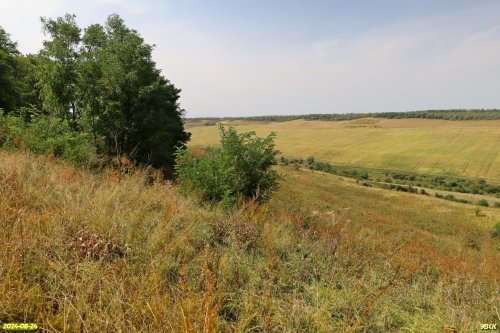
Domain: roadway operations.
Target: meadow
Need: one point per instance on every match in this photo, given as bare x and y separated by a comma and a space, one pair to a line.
125, 251
460, 148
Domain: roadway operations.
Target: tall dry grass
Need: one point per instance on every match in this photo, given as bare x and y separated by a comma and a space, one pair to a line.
123, 251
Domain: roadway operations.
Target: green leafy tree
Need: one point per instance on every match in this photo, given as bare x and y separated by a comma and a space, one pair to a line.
59, 74
105, 83
102, 83
90, 81
18, 80
129, 107
8, 68
28, 89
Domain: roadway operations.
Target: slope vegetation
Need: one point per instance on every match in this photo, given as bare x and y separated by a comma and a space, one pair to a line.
123, 251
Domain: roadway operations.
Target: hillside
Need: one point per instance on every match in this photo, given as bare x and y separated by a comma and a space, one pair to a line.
463, 148
114, 252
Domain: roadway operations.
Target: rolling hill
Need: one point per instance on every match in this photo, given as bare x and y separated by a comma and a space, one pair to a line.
463, 148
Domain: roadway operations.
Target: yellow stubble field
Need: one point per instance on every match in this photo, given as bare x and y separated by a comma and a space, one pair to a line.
465, 148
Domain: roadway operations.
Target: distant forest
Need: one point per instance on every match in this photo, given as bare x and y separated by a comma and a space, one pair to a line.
457, 114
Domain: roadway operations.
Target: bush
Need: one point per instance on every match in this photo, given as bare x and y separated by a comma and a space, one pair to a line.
495, 232
284, 160
239, 167
12, 130
483, 203
450, 197
44, 135
477, 211
51, 135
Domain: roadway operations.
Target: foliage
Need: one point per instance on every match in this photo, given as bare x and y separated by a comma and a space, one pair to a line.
212, 175
477, 211
495, 232
12, 131
108, 253
8, 52
17, 81
103, 84
58, 70
46, 135
129, 108
240, 166
405, 178
49, 134
483, 203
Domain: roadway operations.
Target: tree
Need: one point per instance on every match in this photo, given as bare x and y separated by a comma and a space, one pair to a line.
8, 68
125, 98
90, 83
18, 80
105, 82
59, 67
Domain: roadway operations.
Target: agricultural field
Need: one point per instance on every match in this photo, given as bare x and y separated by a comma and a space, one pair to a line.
428, 146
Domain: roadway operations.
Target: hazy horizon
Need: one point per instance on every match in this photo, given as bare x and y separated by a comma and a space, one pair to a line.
339, 113
291, 57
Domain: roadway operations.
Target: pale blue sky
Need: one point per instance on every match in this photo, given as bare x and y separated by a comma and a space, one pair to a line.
242, 58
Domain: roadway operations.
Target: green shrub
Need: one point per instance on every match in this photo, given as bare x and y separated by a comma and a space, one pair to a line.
497, 205
12, 130
239, 167
284, 160
51, 135
483, 203
477, 211
44, 135
495, 232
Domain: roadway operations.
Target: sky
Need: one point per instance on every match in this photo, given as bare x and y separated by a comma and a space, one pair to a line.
277, 57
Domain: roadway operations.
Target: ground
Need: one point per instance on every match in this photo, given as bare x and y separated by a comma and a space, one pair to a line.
111, 252
464, 148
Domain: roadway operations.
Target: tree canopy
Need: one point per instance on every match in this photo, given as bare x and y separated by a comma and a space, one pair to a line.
103, 82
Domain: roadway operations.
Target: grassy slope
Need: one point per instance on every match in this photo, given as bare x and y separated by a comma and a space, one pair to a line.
467, 148
404, 261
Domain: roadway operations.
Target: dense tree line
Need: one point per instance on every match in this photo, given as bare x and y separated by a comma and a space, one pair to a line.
101, 82
472, 114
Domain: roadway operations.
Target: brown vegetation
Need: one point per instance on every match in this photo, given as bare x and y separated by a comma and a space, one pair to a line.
124, 251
